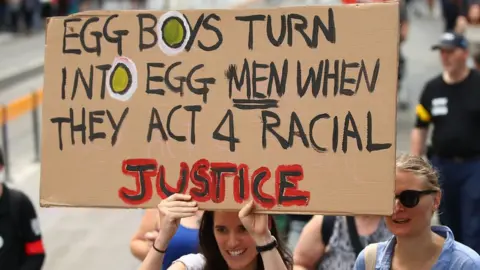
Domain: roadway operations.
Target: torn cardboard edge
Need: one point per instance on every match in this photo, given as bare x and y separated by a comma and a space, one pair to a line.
46, 204
103, 13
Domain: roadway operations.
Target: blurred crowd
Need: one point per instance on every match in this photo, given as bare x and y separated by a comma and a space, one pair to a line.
440, 175
23, 16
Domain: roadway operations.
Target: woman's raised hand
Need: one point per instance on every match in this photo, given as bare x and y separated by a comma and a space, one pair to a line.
256, 224
171, 210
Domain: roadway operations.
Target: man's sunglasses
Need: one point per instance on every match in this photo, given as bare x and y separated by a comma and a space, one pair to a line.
410, 198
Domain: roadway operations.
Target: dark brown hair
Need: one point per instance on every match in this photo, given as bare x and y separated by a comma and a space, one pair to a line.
214, 259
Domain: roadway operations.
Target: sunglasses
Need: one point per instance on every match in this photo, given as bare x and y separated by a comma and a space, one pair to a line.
411, 198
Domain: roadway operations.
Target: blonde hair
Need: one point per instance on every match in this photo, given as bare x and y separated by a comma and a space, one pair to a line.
420, 168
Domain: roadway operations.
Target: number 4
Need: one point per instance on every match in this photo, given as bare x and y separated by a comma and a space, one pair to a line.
231, 131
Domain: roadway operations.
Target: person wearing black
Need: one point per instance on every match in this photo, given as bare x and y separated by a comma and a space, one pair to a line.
451, 103
21, 246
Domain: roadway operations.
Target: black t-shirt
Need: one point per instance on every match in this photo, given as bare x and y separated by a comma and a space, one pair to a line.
20, 238
454, 111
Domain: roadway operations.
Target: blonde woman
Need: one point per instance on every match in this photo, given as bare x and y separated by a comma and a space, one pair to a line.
416, 244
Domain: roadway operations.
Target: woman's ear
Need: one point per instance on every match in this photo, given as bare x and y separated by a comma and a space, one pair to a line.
437, 200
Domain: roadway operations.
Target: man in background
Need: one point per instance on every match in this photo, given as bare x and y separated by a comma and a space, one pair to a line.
450, 103
21, 246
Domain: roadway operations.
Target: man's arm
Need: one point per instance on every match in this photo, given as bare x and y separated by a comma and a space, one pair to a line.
418, 141
32, 236
423, 119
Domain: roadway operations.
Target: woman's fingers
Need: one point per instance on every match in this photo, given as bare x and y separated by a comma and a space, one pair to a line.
178, 197
183, 210
177, 200
151, 236
179, 215
180, 204
246, 210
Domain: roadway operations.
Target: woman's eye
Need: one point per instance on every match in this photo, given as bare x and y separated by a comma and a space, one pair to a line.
221, 230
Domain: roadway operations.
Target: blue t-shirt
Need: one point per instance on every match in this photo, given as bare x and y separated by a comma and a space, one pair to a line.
185, 241
454, 255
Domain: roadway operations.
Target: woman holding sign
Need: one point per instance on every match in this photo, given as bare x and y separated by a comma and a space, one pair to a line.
228, 240
416, 244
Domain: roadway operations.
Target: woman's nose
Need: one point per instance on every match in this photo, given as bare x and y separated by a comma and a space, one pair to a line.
397, 207
232, 240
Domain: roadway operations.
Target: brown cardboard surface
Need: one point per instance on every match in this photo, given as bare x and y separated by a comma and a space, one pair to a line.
348, 176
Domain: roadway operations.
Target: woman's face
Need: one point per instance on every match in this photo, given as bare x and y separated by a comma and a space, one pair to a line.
235, 243
405, 221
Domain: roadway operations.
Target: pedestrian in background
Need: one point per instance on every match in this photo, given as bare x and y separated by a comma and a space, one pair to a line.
334, 242
21, 245
30, 8
451, 103
23, 11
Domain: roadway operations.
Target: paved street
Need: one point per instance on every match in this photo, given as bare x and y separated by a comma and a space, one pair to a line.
98, 238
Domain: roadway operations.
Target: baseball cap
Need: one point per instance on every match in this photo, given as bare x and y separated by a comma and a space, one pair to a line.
450, 40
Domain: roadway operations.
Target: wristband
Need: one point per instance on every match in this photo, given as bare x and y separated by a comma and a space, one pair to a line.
158, 250
268, 246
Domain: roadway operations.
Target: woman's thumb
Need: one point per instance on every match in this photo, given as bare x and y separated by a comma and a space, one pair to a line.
151, 235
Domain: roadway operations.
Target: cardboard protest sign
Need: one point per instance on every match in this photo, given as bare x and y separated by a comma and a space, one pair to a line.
291, 107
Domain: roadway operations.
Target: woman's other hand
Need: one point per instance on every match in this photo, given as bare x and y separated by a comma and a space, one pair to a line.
171, 210
256, 224
140, 245
151, 236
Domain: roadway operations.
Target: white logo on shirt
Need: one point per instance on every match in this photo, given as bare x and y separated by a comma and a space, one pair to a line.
1, 242
448, 36
35, 224
439, 106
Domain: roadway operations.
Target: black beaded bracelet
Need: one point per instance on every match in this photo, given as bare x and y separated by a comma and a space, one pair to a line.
158, 250
268, 246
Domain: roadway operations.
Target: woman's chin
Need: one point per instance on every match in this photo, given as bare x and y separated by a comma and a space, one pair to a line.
400, 229
237, 265
240, 261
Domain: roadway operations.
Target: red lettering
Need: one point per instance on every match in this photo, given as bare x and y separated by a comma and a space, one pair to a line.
202, 181
209, 183
164, 190
259, 177
286, 189
218, 172
241, 187
142, 170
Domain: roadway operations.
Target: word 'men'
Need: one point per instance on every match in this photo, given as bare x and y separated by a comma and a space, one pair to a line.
208, 180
